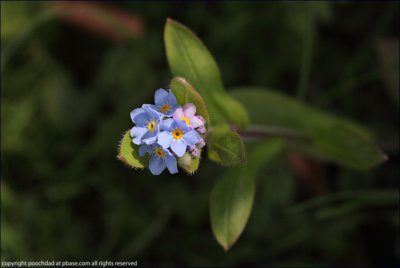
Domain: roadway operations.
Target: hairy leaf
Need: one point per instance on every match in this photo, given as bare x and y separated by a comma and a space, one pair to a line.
128, 153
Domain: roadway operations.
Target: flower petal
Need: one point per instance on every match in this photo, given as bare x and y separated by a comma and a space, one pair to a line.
154, 108
178, 147
167, 124
143, 149
137, 133
195, 122
153, 114
191, 137
150, 140
171, 98
189, 110
150, 134
160, 97
156, 165
139, 116
164, 139
170, 161
171, 111
182, 125
178, 114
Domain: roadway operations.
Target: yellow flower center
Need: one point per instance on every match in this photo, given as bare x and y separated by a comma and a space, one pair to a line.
187, 121
159, 152
165, 108
177, 134
151, 126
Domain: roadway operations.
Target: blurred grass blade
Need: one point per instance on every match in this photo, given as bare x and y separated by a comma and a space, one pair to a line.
225, 146
388, 55
338, 211
185, 93
303, 19
232, 198
360, 202
189, 58
129, 153
327, 137
103, 19
366, 197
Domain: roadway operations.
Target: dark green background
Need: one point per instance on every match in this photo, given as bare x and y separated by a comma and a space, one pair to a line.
66, 94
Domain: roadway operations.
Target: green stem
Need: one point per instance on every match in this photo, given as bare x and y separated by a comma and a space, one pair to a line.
255, 133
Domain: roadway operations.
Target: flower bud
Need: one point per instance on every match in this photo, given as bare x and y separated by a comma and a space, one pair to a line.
193, 151
201, 143
201, 118
188, 163
201, 129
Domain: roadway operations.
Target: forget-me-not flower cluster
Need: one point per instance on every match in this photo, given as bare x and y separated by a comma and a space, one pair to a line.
165, 131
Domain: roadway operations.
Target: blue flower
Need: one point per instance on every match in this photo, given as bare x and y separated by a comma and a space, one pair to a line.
160, 159
165, 102
177, 135
147, 125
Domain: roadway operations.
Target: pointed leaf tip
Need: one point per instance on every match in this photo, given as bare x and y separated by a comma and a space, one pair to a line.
332, 138
232, 198
188, 57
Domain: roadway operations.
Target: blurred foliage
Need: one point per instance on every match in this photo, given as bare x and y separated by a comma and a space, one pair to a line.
311, 130
66, 94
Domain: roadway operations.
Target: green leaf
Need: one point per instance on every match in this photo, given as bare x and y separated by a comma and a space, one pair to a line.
128, 153
189, 58
185, 93
310, 130
188, 163
232, 198
225, 146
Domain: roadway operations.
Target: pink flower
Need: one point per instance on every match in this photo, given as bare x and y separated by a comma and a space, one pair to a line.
187, 114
